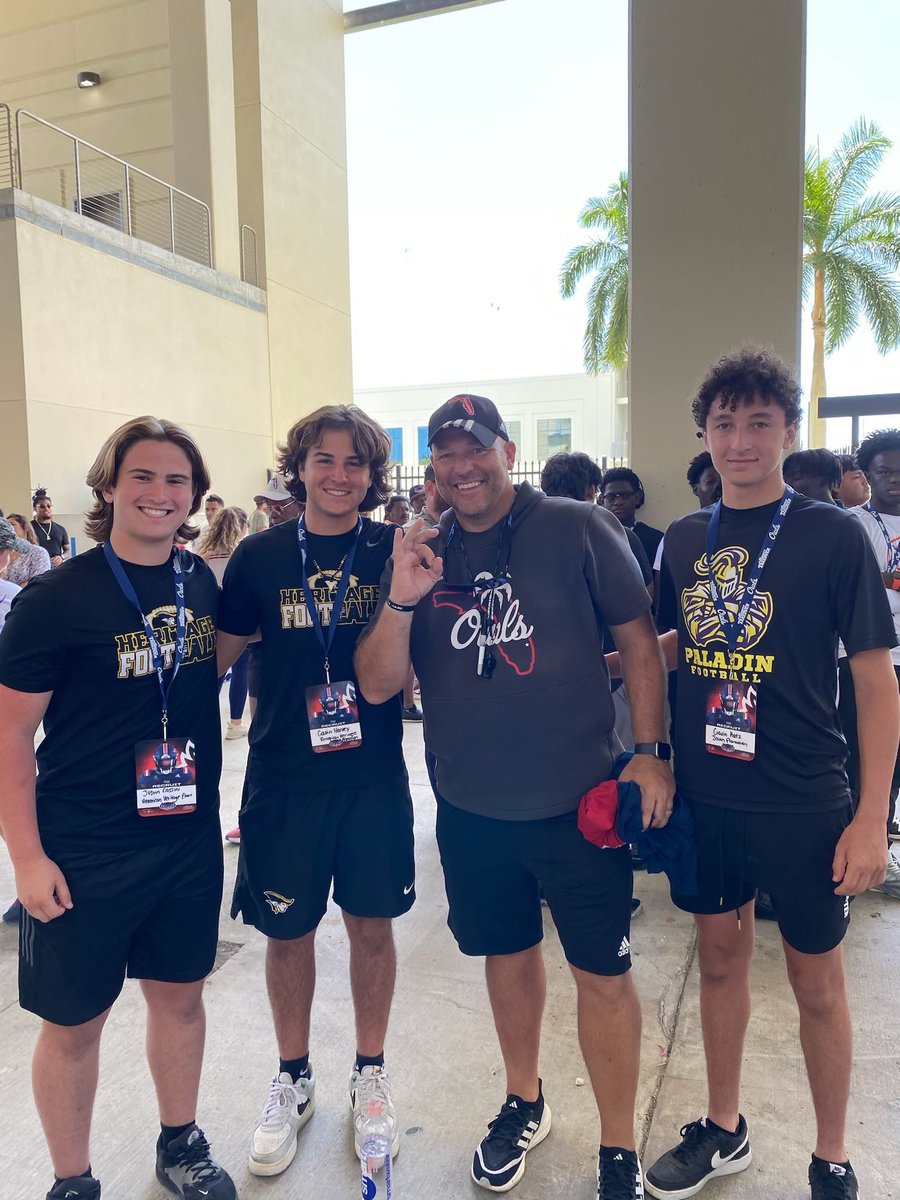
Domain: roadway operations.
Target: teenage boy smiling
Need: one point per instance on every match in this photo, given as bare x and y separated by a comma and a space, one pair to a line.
310, 820
772, 573
107, 892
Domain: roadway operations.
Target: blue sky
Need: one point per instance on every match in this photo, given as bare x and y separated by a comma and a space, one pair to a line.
474, 139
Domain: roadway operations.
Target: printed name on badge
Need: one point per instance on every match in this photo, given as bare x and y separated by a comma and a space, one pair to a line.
731, 720
333, 715
165, 777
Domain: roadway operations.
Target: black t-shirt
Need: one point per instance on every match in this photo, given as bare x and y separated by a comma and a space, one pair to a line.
52, 537
819, 583
649, 539
263, 590
72, 632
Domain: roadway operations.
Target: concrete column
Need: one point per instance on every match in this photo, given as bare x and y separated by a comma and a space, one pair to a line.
292, 168
203, 117
717, 92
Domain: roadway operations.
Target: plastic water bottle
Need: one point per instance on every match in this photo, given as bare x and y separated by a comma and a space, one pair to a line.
375, 1140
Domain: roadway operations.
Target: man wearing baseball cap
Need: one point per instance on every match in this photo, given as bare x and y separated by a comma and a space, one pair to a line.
501, 611
417, 498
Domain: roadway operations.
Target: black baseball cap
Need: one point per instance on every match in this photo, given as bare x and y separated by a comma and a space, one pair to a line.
472, 414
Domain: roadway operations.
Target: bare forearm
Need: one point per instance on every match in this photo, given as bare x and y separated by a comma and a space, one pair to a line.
668, 644
645, 684
382, 656
878, 730
18, 816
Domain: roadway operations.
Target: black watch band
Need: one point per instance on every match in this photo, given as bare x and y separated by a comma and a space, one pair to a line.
660, 750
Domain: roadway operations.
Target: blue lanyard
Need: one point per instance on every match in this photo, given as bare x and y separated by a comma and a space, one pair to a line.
339, 595
893, 548
733, 628
130, 595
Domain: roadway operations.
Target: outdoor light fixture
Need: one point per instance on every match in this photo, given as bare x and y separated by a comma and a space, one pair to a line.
88, 79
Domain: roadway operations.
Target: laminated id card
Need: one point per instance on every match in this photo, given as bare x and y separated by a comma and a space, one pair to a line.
731, 720
165, 777
333, 715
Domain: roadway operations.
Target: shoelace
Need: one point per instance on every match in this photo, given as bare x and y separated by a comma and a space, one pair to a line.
691, 1135
195, 1159
280, 1099
376, 1086
618, 1180
509, 1123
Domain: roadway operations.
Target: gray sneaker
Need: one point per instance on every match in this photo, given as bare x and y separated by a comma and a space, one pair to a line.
287, 1108
891, 885
186, 1167
372, 1083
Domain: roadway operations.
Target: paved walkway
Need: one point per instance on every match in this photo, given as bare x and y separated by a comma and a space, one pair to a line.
446, 1066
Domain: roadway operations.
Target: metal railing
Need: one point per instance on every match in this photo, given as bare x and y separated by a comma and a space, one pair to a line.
7, 155
249, 263
66, 170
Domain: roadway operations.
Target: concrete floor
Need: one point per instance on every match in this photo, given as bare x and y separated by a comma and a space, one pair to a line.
445, 1064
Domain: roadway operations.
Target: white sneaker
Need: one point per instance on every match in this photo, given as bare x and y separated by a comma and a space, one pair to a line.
287, 1108
891, 885
233, 732
372, 1083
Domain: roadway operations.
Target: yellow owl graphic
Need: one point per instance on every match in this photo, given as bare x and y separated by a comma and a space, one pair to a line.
696, 602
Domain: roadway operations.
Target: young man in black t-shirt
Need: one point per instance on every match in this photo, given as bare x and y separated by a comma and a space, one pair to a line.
119, 873
622, 494
760, 588
326, 798
49, 533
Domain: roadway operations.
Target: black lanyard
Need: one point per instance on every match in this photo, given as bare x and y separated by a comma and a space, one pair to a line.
339, 595
180, 624
732, 628
893, 547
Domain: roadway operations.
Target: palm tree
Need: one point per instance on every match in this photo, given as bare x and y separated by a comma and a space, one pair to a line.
852, 249
606, 333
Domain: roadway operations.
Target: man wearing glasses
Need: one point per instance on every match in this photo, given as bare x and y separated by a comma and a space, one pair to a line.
503, 609
622, 494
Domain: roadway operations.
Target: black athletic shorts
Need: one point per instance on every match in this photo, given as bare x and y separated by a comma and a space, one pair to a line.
295, 843
494, 872
148, 914
788, 855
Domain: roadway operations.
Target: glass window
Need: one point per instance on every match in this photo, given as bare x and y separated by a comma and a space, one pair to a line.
422, 437
554, 435
514, 429
396, 436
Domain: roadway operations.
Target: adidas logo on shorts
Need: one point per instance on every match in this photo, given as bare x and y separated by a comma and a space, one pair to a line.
625, 948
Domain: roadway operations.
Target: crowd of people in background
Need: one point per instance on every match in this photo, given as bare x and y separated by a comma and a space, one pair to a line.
479, 605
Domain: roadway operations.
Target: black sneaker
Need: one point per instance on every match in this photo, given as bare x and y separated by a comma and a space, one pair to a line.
77, 1187
413, 713
187, 1168
705, 1152
832, 1181
619, 1175
499, 1161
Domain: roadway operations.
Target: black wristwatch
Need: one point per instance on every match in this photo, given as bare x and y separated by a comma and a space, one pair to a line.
658, 749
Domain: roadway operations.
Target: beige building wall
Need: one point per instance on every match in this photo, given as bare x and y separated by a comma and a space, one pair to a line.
717, 144
107, 335
44, 43
292, 176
